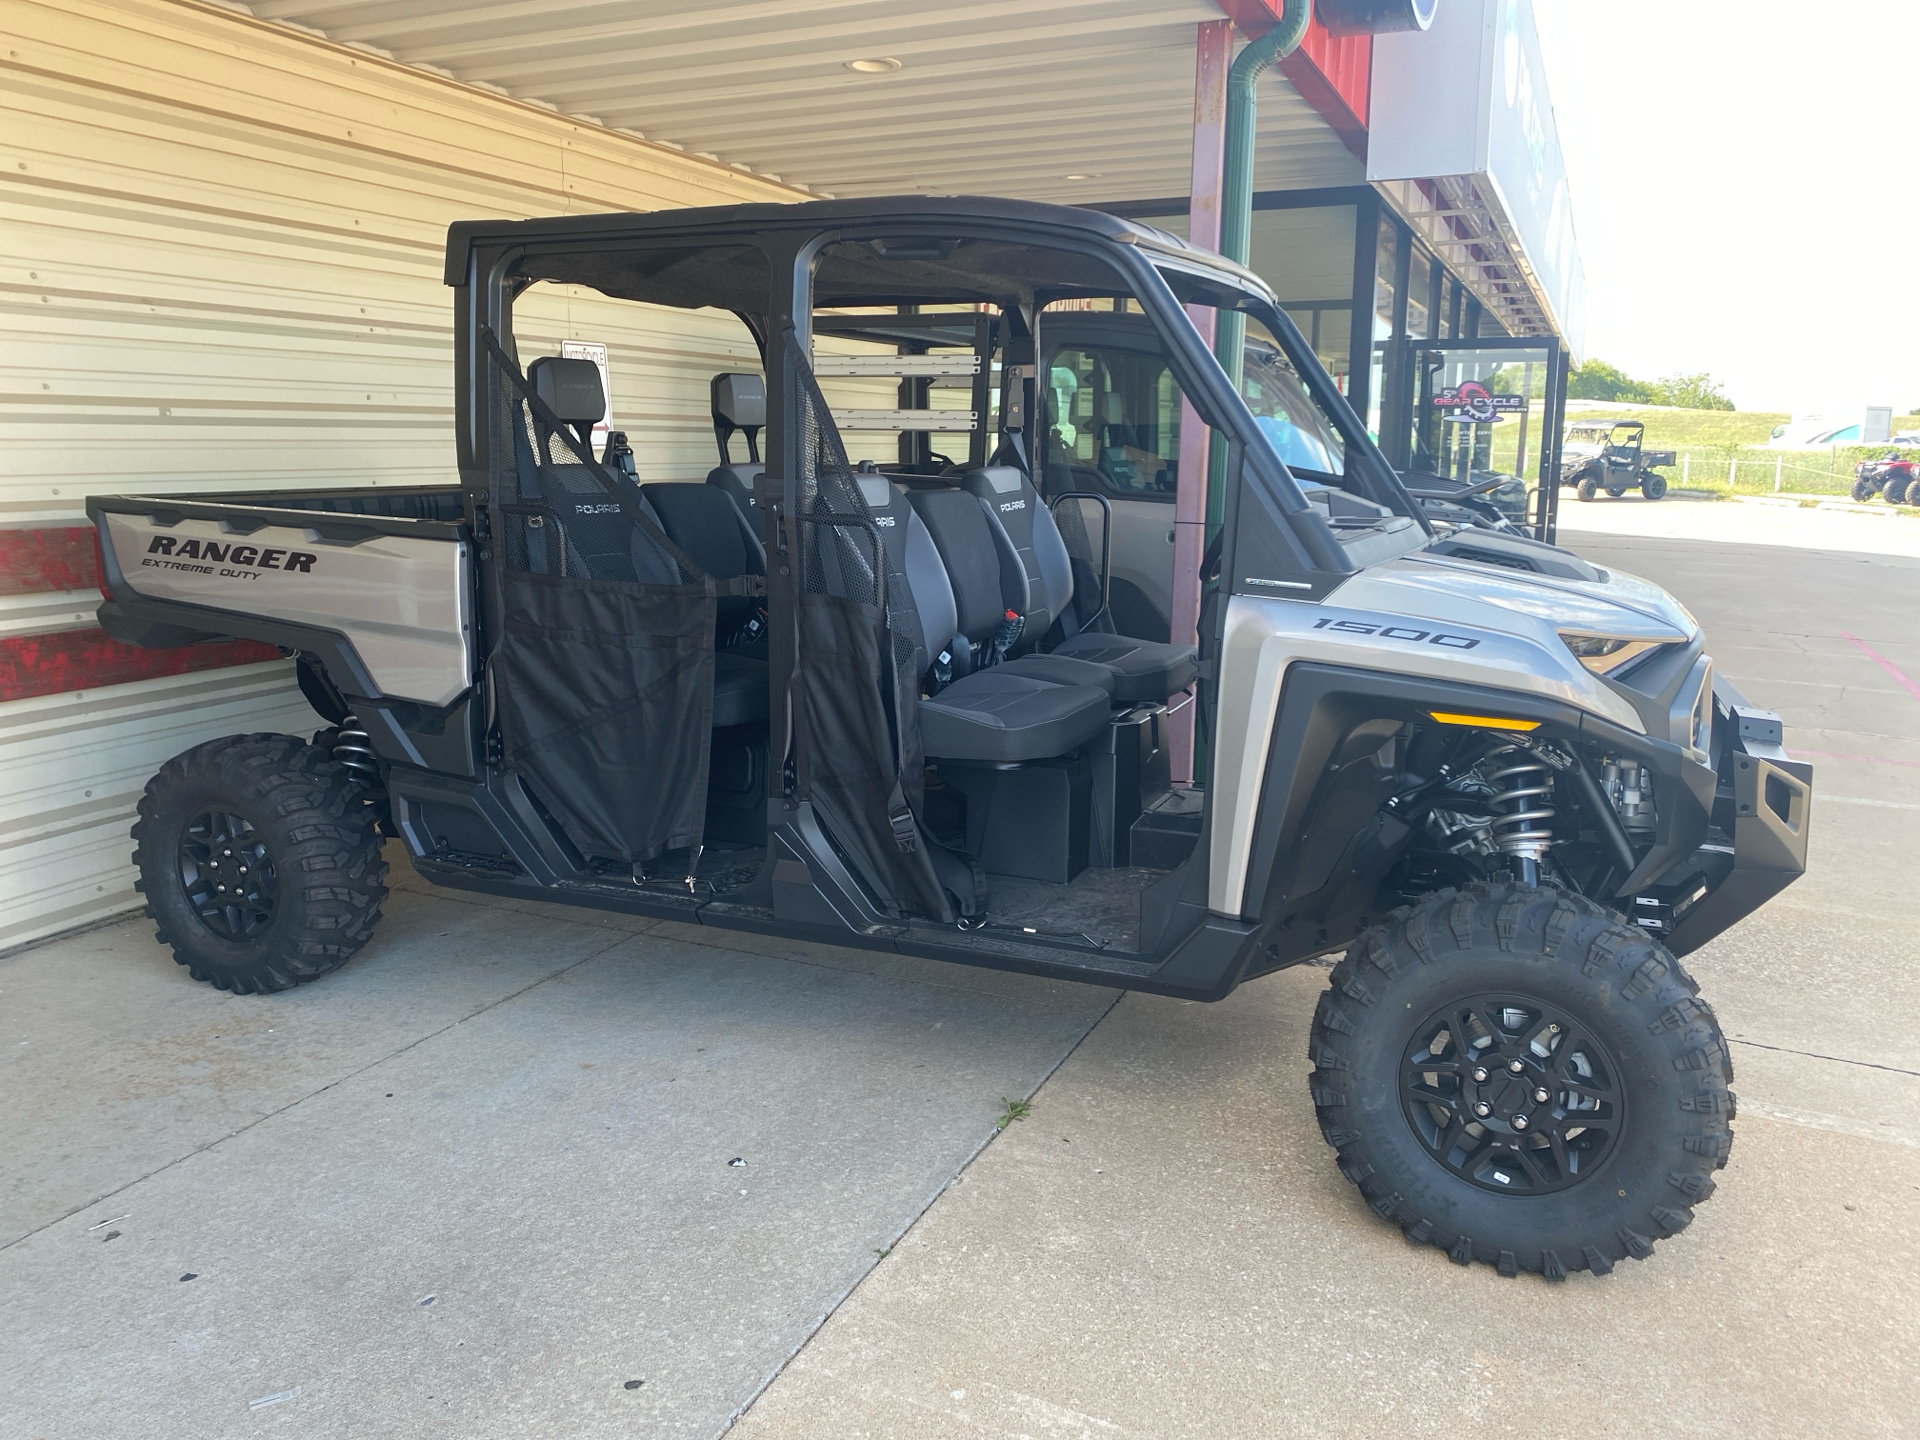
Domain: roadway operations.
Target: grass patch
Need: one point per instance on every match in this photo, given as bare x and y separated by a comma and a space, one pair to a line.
1677, 429
1016, 1110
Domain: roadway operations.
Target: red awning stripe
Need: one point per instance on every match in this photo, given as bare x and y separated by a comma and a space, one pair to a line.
89, 658
55, 557
1333, 73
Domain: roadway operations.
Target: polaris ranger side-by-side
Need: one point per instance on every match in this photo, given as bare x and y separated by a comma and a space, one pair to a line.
886, 704
1600, 455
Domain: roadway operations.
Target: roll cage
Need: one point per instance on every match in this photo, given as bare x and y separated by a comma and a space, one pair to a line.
1029, 255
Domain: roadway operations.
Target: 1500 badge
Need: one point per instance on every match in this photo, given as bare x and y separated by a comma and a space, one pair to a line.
1398, 632
206, 557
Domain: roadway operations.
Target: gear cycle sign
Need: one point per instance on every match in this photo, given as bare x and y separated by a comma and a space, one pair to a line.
1471, 403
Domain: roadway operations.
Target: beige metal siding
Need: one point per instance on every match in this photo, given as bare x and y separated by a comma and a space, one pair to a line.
222, 270
71, 770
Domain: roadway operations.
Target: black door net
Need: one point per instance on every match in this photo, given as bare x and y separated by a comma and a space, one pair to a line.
856, 695
602, 673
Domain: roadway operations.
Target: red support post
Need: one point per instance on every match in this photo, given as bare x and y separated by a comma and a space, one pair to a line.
1213, 57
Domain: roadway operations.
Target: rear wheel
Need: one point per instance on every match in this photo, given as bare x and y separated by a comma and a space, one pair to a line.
1653, 486
1587, 487
260, 862
1517, 1076
1896, 491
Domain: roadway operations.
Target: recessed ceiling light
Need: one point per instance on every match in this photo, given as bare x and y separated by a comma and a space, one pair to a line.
879, 65
1094, 176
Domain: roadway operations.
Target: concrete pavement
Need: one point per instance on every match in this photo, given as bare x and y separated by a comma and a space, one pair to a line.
1826, 525
478, 1182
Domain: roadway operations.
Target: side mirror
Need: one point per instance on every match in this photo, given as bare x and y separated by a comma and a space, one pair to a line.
1374, 17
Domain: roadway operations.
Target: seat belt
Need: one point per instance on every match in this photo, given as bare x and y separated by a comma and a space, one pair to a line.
1006, 634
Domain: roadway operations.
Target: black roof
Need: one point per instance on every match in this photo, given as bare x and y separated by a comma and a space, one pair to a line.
1004, 227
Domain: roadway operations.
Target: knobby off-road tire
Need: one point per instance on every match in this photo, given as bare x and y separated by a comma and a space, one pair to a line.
1896, 490
1587, 487
1653, 487
260, 862
1489, 968
1864, 489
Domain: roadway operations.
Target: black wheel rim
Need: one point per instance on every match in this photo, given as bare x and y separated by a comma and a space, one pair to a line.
1511, 1094
227, 874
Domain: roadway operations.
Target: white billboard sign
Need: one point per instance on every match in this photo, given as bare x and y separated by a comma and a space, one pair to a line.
1469, 98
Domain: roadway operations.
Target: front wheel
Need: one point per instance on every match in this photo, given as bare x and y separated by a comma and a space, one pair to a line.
260, 862
1587, 488
1865, 488
1653, 486
1517, 1076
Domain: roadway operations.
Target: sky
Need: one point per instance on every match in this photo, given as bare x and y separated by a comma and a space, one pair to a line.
1745, 191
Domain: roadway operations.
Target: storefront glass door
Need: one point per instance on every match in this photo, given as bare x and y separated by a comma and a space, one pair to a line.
1484, 413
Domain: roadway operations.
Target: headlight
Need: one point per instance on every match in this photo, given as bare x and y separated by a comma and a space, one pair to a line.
1608, 654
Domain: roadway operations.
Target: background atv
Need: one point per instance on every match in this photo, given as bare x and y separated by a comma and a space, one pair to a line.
1600, 456
1890, 477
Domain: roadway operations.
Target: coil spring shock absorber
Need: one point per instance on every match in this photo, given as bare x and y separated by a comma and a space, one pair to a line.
1523, 788
353, 748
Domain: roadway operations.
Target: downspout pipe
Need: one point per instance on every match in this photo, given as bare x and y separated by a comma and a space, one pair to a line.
1236, 206
1243, 112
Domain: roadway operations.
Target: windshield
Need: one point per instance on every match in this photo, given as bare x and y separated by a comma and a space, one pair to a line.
1114, 408
1298, 428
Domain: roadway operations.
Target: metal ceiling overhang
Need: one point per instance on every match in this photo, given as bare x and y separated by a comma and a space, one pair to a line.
1459, 220
1004, 97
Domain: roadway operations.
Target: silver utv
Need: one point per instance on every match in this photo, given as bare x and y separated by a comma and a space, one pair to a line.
899, 702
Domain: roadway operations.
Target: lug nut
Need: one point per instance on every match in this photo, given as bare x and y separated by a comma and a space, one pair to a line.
1483, 1109
1553, 1029
1480, 1074
226, 852
220, 887
1540, 1096
1515, 1066
1519, 1122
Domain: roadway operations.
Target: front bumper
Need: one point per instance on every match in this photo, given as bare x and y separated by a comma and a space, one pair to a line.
1756, 845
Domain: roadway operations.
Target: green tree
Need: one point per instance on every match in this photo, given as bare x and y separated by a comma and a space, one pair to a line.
1597, 380
1690, 392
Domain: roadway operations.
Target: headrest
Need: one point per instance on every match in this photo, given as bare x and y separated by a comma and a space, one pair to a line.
740, 400
1001, 479
570, 388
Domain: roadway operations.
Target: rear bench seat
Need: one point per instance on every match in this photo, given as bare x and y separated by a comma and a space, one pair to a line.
592, 538
703, 522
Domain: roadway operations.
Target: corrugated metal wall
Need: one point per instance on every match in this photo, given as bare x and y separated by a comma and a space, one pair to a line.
222, 270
